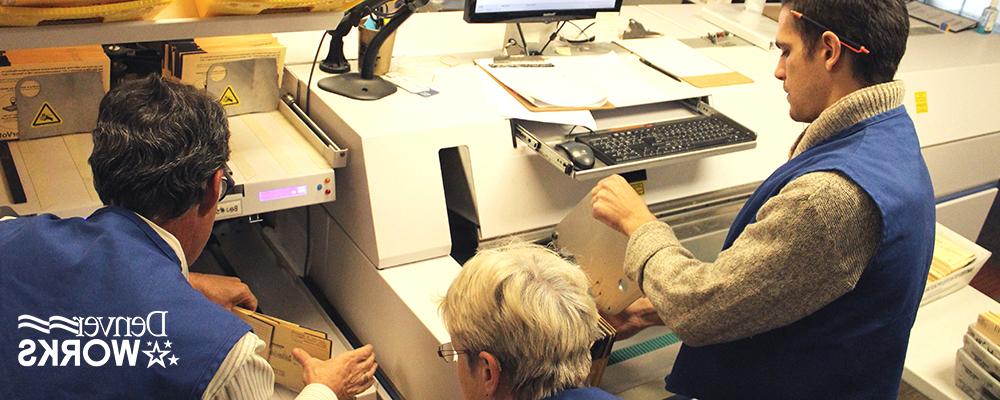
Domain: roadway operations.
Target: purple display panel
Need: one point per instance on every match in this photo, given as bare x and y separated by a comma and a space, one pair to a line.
282, 193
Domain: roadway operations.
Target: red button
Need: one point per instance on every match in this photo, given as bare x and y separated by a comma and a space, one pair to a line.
328, 192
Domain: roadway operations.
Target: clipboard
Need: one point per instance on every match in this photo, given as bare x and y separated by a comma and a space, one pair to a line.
572, 73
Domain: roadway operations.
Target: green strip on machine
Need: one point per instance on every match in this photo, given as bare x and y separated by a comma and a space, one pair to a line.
639, 349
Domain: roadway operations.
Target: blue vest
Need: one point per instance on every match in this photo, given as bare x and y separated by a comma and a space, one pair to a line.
853, 348
587, 393
98, 308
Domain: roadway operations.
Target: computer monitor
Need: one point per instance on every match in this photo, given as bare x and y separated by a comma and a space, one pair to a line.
536, 10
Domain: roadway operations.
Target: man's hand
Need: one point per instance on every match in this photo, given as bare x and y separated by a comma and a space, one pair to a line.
633, 319
616, 204
226, 291
347, 374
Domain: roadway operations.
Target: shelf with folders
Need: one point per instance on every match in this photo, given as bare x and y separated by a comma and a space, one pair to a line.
179, 19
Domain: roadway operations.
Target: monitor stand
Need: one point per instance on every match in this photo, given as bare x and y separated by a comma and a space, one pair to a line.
355, 86
534, 33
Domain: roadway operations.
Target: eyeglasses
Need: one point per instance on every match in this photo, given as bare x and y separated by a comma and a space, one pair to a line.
449, 353
850, 44
228, 184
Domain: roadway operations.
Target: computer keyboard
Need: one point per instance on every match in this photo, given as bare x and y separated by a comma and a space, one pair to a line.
616, 146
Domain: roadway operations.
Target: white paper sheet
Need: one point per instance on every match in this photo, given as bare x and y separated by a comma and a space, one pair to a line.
568, 82
673, 56
509, 107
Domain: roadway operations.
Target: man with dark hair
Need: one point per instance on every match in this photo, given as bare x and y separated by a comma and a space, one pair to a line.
818, 282
104, 307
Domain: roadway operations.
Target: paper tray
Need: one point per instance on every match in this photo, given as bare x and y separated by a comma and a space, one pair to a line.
973, 379
268, 151
960, 278
33, 16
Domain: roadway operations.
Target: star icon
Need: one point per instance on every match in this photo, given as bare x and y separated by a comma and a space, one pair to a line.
149, 343
158, 359
173, 359
167, 344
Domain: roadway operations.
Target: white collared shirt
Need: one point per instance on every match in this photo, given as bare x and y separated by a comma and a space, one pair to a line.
243, 374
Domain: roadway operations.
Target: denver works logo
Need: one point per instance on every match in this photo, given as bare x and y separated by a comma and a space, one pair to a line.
96, 341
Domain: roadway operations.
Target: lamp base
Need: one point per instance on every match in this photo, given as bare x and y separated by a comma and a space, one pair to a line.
354, 86
335, 67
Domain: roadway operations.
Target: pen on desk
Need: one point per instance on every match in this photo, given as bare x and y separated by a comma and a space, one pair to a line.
660, 70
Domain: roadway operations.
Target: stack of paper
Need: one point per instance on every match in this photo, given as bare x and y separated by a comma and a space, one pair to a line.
557, 84
207, 8
18, 64
682, 62
948, 258
51, 12
988, 324
281, 337
955, 262
189, 60
600, 352
58, 3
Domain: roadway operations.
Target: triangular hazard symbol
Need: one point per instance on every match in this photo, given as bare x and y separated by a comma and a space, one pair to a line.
229, 97
46, 116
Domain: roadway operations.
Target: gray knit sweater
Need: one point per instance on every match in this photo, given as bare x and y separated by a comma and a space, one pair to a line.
809, 246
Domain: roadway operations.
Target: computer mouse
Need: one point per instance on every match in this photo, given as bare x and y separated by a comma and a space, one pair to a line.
580, 154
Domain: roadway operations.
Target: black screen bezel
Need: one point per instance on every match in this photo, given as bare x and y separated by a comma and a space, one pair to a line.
533, 16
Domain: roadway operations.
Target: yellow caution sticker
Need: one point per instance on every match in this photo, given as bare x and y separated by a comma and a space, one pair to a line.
46, 116
640, 187
922, 106
229, 98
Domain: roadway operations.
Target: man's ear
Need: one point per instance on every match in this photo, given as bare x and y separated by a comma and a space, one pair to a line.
488, 373
210, 197
832, 51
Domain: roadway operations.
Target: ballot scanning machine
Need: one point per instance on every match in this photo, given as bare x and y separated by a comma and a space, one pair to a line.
279, 159
442, 175
434, 178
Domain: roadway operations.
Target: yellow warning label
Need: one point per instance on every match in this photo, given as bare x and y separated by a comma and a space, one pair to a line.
229, 97
640, 187
922, 106
46, 116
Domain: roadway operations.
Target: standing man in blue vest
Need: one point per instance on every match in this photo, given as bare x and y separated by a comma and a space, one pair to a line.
104, 307
817, 286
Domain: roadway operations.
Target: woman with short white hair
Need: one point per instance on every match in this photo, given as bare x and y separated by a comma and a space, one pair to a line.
522, 320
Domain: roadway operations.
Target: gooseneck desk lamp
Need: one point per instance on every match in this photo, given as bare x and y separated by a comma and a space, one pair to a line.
363, 85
